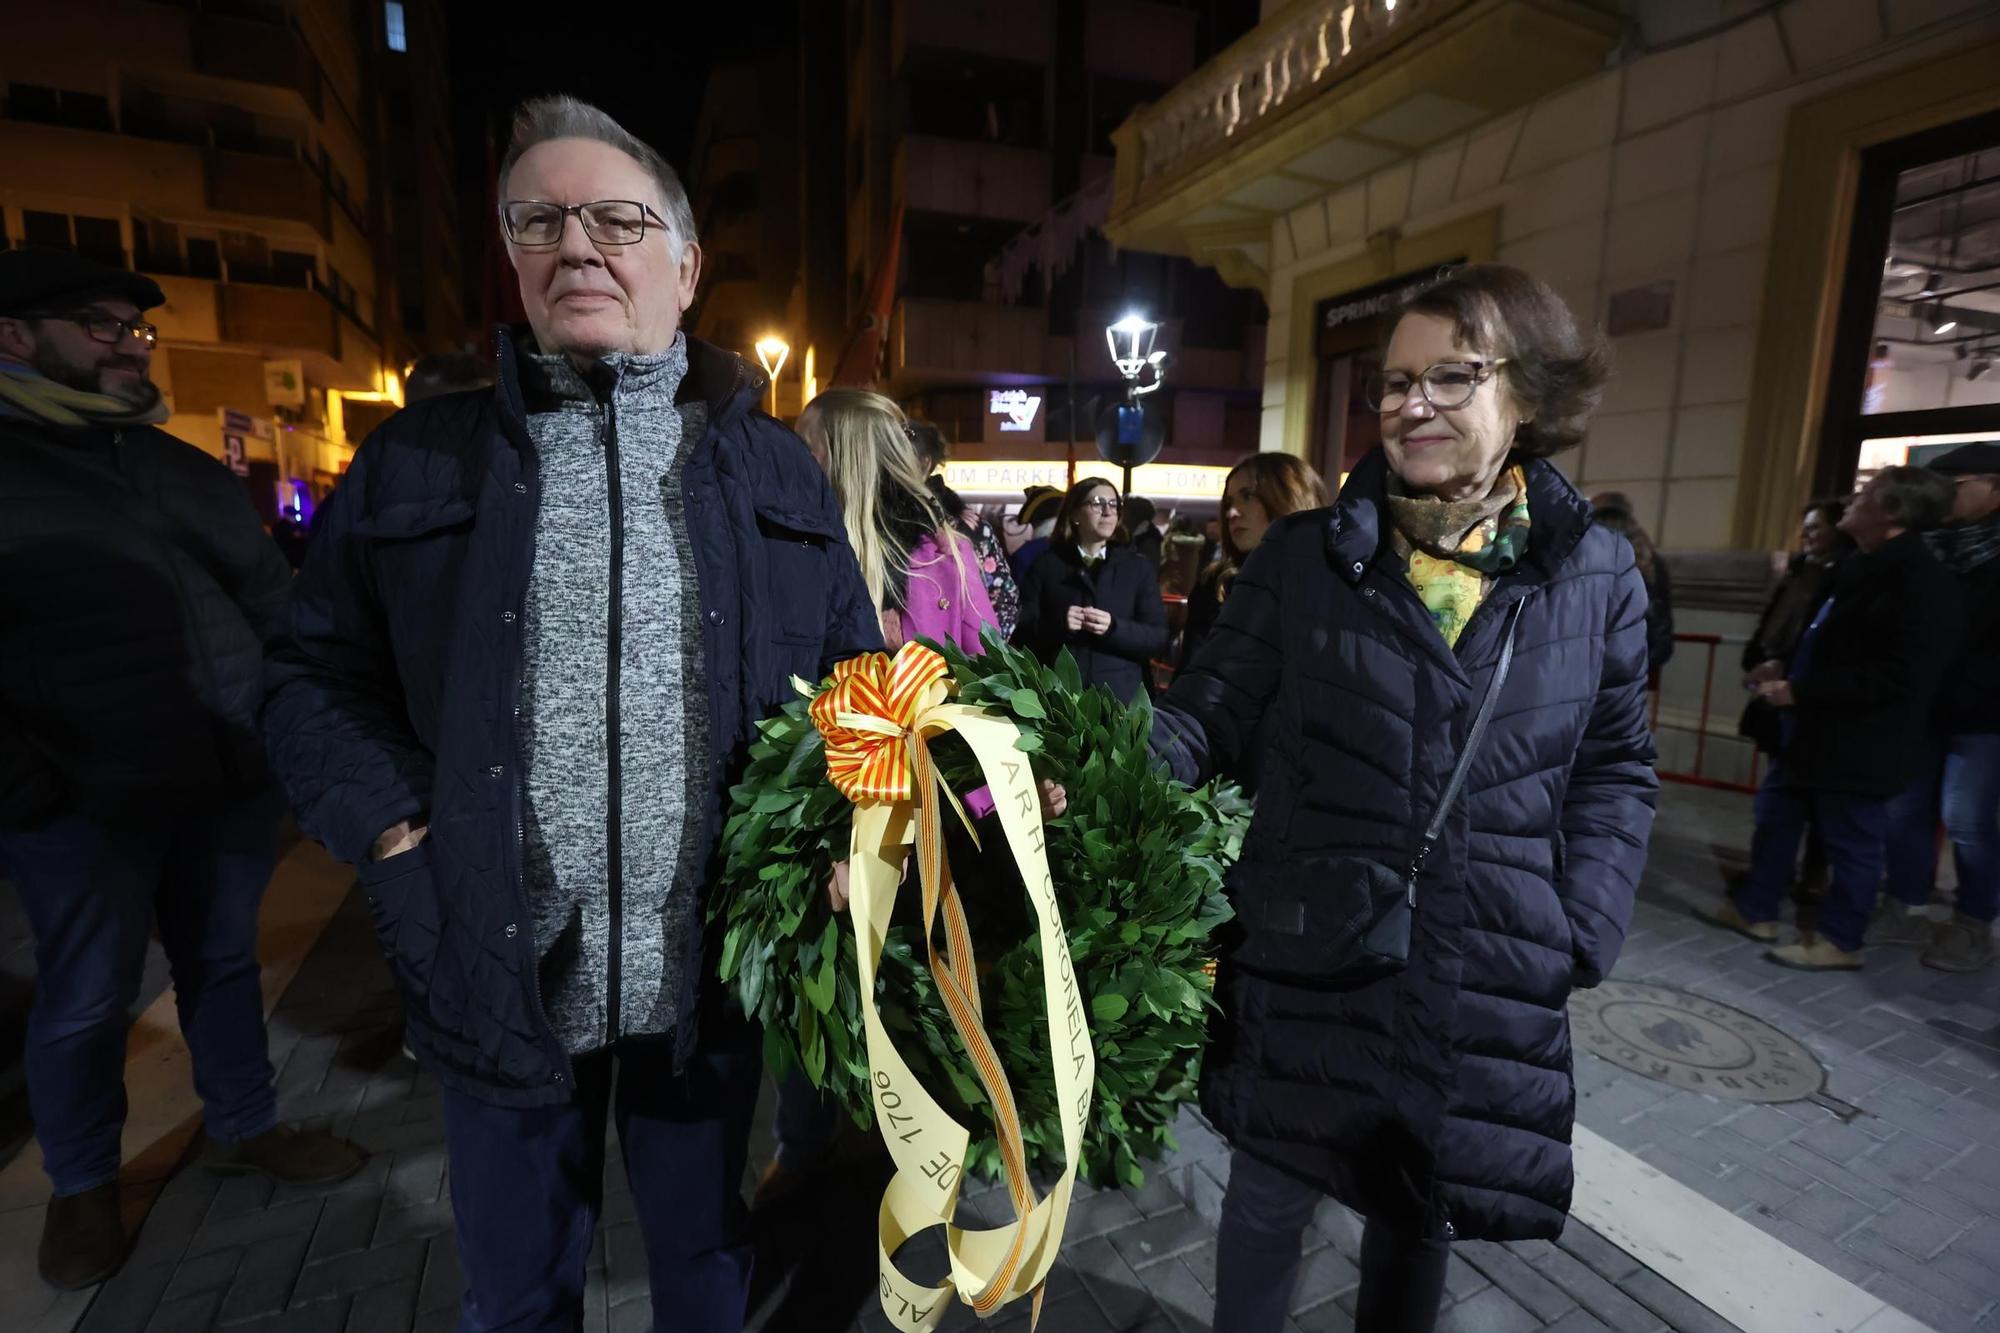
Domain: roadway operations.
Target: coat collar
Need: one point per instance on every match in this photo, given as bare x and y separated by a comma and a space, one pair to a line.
1558, 514
717, 380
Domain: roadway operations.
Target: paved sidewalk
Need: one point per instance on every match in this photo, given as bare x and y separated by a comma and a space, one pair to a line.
1900, 1198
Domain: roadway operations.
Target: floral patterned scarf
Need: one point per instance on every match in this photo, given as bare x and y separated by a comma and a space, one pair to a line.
1454, 550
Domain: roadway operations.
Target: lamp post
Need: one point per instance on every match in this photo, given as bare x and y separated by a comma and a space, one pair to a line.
1131, 341
771, 353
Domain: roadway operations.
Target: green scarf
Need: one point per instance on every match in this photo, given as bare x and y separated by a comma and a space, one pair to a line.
29, 394
1453, 550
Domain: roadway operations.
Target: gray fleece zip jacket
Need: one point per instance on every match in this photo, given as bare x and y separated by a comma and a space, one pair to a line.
613, 715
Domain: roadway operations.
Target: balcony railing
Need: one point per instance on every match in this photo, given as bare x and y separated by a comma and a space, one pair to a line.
1278, 65
272, 187
1011, 29
932, 339
982, 180
258, 50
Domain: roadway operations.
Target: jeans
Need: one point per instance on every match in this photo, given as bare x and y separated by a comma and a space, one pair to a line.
1959, 782
527, 1185
1264, 1217
1853, 829
92, 892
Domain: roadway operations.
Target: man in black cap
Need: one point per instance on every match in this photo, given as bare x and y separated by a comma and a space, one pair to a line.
1960, 778
137, 590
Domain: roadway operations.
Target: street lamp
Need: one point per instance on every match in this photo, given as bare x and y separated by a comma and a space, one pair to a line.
771, 353
1131, 341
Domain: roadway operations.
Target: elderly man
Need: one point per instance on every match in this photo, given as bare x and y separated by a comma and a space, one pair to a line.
136, 590
526, 657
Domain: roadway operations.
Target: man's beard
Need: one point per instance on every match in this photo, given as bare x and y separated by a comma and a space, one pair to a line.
139, 394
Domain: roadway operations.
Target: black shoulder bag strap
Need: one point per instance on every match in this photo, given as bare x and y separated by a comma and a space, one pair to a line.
1479, 722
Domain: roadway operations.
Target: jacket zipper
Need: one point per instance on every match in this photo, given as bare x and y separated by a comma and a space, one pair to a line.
613, 748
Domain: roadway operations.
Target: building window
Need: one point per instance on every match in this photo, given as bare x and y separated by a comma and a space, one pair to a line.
394, 27
99, 239
48, 230
204, 258
290, 268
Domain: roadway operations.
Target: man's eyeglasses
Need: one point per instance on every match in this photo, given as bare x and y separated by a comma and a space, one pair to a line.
532, 224
1445, 386
1104, 506
108, 329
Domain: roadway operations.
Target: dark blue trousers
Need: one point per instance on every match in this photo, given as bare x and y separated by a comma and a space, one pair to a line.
527, 1186
92, 892
1854, 830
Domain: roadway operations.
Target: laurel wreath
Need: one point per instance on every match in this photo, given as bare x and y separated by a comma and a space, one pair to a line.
1137, 860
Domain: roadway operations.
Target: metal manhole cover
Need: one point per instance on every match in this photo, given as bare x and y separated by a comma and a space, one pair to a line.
1682, 1039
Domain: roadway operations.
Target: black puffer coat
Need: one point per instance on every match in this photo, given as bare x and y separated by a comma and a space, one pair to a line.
137, 589
1127, 585
1438, 1099
1873, 671
395, 692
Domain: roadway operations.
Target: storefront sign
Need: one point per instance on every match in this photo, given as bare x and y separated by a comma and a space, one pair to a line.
1369, 303
1005, 479
285, 383
1016, 409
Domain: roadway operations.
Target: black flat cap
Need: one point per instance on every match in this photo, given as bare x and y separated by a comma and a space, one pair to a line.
37, 279
1980, 459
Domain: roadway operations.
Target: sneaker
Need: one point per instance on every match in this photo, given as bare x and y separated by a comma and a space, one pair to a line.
1899, 924
1962, 944
1815, 953
1727, 915
83, 1239
287, 1155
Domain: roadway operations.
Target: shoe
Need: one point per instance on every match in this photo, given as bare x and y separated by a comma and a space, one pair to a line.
288, 1155
83, 1239
1815, 953
1897, 923
1727, 915
1962, 944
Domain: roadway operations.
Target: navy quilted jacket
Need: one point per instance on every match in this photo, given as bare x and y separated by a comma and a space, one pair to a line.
1438, 1099
394, 693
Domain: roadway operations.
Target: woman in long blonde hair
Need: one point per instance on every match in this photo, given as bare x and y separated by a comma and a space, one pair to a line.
921, 572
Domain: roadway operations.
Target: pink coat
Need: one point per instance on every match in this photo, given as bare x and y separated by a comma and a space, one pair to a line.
945, 604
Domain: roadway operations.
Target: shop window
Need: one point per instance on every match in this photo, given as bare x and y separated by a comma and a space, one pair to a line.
1919, 331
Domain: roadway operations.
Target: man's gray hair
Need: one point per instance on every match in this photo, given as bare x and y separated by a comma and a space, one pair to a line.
1915, 497
561, 116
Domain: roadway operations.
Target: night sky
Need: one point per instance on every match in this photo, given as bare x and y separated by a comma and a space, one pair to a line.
643, 61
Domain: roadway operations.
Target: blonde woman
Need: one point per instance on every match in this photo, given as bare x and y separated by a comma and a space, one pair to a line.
921, 572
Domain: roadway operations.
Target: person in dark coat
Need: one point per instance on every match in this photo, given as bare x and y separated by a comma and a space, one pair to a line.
1258, 491
1614, 510
1853, 700
1958, 774
1142, 528
137, 592
1037, 518
1807, 580
524, 663
1437, 1101
1096, 596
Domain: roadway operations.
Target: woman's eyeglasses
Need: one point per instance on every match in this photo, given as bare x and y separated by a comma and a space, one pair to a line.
1445, 386
1103, 506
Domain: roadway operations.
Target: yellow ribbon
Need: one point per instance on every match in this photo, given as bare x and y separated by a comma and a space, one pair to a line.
877, 719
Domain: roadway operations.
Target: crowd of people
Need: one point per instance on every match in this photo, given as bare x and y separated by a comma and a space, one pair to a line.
538, 622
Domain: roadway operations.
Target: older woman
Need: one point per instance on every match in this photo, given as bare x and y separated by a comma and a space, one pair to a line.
1434, 1099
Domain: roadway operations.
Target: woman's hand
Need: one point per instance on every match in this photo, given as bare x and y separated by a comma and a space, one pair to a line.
1089, 621
836, 887
1777, 693
1055, 801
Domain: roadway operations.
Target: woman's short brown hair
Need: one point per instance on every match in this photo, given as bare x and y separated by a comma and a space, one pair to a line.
1555, 370
1284, 485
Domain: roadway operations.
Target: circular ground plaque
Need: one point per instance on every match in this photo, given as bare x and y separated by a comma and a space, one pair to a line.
1682, 1039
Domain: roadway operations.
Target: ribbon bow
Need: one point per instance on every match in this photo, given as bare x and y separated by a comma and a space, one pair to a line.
866, 717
